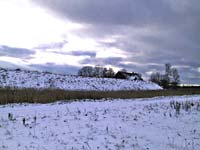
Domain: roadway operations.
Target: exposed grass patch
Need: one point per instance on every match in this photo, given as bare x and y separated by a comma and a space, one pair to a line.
11, 95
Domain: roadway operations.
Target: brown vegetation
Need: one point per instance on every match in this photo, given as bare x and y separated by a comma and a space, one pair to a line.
10, 95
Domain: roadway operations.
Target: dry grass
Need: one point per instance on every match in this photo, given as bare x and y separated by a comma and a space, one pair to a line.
10, 95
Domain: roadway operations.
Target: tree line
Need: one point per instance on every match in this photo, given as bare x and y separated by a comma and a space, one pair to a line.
97, 71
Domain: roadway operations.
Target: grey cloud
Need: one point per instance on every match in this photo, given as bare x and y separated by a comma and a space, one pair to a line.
102, 61
78, 53
176, 21
112, 12
83, 53
56, 45
51, 67
15, 52
9, 65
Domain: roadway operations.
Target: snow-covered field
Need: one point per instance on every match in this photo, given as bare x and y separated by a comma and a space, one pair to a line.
162, 123
33, 79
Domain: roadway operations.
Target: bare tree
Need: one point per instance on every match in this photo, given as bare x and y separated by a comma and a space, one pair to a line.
175, 77
168, 69
155, 77
167, 73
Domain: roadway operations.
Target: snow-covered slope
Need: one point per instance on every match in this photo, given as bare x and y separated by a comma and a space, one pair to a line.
147, 124
33, 79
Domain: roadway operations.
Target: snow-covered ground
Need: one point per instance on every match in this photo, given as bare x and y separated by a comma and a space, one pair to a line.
33, 79
140, 124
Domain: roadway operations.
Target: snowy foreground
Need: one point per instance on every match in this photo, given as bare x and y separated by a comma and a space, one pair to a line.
141, 124
33, 79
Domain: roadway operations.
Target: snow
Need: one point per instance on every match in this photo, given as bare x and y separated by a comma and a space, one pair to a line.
109, 124
33, 79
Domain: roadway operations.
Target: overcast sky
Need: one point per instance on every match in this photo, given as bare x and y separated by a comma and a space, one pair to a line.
138, 35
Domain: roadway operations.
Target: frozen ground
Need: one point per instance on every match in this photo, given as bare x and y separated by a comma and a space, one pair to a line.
33, 79
141, 124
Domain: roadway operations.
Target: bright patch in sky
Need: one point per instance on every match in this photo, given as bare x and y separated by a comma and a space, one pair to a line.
199, 69
26, 25
59, 59
77, 43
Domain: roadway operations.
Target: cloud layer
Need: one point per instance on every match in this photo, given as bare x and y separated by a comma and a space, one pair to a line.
15, 52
